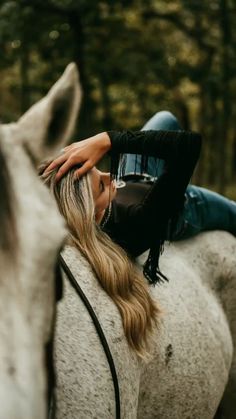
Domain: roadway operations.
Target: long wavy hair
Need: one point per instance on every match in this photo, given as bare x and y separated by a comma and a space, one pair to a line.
118, 276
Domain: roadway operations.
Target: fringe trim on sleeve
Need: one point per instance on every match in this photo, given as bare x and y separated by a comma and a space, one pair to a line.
151, 268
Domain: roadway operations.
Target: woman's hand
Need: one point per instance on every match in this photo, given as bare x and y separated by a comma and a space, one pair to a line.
86, 152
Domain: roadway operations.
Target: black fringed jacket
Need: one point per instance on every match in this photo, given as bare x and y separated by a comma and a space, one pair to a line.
142, 214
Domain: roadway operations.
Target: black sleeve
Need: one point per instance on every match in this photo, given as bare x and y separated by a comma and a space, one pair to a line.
158, 212
179, 149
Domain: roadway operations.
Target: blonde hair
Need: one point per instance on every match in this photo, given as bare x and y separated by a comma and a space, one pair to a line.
118, 276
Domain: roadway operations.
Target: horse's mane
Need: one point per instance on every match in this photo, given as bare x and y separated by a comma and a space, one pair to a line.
8, 232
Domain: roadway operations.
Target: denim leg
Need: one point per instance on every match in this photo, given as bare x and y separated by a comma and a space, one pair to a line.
163, 120
205, 210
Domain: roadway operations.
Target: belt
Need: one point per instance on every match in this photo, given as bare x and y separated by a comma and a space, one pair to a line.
143, 178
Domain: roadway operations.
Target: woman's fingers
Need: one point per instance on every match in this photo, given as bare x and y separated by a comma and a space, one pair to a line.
83, 169
57, 162
68, 164
86, 152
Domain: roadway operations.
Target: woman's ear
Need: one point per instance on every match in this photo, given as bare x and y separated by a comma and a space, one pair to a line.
48, 125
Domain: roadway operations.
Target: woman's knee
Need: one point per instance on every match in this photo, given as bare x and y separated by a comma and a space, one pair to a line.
163, 120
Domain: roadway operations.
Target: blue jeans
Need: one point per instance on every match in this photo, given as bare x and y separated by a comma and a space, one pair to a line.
203, 209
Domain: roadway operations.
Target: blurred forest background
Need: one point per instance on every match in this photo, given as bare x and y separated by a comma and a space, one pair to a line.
135, 57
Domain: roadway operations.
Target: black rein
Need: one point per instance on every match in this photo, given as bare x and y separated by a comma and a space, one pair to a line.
99, 330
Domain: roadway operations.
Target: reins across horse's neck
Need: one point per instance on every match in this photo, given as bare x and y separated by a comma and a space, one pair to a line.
99, 330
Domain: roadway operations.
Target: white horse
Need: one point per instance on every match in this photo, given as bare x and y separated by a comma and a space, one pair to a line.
192, 364
31, 235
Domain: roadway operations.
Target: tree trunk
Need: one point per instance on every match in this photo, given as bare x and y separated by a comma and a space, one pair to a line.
86, 124
24, 78
223, 139
201, 174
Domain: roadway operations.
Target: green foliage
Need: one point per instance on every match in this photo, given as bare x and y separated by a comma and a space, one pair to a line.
135, 58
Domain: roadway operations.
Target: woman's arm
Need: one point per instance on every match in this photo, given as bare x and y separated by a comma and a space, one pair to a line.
179, 149
168, 145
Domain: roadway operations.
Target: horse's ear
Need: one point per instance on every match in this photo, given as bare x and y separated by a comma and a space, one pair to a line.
48, 125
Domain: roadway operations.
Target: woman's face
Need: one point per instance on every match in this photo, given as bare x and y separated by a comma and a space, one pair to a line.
104, 191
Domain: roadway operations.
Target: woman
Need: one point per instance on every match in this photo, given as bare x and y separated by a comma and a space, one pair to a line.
203, 209
151, 216
94, 216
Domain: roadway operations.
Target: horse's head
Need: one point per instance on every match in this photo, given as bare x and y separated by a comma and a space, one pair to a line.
31, 235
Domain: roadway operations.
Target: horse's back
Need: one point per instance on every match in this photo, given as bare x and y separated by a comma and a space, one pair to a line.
192, 351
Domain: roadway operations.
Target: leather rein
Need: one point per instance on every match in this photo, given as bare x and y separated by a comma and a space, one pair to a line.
99, 330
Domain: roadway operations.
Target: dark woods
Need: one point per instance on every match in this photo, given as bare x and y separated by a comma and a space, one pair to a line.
135, 58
